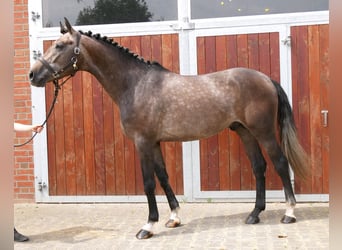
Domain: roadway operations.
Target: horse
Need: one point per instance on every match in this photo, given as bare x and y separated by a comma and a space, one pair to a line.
158, 105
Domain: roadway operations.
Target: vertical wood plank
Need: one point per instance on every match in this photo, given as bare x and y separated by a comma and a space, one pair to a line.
69, 139
242, 51
210, 54
175, 53
59, 142
232, 51
79, 133
324, 80
166, 51
100, 182
275, 56
200, 56
264, 53
294, 67
146, 47
135, 46
253, 51
220, 53
89, 134
315, 109
156, 48
304, 99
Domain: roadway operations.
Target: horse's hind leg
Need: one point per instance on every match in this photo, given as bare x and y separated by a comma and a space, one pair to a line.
259, 167
282, 167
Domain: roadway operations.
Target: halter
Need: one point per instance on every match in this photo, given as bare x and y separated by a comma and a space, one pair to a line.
72, 63
56, 75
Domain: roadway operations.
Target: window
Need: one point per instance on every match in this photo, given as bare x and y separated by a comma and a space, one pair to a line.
230, 8
87, 12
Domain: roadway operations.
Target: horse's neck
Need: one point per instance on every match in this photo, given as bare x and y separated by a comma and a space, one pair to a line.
114, 70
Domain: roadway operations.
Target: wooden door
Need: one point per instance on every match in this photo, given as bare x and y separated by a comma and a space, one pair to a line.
223, 162
310, 79
87, 152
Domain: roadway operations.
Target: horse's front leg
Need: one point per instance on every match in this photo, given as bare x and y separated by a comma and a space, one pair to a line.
147, 166
152, 162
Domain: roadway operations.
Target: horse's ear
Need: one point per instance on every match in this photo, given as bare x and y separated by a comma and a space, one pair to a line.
63, 29
68, 26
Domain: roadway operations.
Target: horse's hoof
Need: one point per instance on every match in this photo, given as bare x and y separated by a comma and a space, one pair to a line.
143, 234
287, 219
252, 220
172, 223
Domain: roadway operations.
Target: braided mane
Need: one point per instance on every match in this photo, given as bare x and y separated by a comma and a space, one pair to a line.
110, 41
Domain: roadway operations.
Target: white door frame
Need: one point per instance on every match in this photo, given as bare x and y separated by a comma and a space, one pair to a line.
188, 31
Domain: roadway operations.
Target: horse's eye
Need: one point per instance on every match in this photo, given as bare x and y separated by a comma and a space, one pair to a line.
59, 46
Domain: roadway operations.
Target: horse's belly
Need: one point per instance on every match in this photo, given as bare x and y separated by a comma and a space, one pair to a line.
186, 130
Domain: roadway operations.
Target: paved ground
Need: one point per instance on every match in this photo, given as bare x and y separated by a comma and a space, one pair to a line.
204, 226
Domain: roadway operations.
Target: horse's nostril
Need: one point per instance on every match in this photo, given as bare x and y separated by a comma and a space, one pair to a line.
31, 75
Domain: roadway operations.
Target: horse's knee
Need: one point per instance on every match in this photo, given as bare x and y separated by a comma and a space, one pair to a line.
259, 169
149, 186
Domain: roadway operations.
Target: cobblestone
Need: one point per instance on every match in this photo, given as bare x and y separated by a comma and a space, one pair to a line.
218, 226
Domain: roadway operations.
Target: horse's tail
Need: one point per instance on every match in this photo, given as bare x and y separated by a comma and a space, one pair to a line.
290, 145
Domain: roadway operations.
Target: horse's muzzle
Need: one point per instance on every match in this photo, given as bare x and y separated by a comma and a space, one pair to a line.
35, 80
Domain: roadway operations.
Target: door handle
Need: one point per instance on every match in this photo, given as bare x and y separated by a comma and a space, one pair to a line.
325, 117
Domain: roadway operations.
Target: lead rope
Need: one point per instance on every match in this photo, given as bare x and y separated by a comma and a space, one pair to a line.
55, 74
57, 88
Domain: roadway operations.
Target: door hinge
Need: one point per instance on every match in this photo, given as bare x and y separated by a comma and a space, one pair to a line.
184, 25
41, 185
35, 16
36, 54
287, 41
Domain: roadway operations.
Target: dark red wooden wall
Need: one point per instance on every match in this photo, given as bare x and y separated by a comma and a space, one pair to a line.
310, 80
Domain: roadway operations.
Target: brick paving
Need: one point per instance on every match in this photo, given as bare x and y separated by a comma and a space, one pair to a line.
204, 226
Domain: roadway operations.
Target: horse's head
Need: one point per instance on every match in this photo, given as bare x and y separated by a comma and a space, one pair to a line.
59, 60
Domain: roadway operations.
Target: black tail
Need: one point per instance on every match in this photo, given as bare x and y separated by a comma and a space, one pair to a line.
291, 147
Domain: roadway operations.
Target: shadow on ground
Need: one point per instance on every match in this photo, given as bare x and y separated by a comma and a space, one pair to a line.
267, 217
